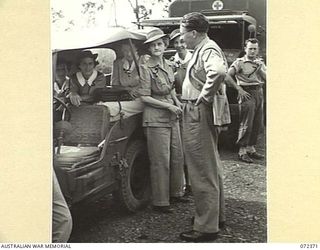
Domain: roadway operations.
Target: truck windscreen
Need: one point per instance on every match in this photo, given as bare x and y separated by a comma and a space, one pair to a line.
227, 36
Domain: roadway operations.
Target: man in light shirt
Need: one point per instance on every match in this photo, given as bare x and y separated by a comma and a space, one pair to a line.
250, 73
205, 74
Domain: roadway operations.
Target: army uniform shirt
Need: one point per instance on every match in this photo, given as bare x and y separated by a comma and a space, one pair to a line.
246, 71
157, 82
124, 74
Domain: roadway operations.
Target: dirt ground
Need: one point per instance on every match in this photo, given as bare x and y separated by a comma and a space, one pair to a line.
246, 212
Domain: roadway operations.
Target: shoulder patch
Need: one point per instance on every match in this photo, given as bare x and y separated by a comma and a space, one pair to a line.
208, 52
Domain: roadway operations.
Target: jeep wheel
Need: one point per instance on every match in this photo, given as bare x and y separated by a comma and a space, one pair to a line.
134, 187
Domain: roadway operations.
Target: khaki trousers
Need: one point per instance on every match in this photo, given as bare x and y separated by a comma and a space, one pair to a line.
166, 163
61, 217
200, 139
251, 118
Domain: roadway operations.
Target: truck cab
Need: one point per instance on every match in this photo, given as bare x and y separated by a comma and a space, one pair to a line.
229, 30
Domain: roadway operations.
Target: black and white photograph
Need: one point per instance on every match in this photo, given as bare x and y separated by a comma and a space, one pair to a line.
155, 121
159, 121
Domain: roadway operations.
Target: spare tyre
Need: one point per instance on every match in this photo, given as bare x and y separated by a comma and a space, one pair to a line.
134, 190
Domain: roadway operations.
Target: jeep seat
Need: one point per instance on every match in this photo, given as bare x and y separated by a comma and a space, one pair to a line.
90, 124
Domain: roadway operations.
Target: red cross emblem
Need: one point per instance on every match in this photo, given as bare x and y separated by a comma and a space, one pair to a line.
217, 5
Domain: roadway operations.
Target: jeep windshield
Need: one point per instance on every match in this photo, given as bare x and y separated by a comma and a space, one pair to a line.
67, 46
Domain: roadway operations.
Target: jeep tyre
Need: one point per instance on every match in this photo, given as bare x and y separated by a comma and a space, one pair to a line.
134, 185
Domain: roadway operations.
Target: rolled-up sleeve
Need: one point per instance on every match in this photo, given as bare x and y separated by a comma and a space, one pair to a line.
235, 65
216, 69
145, 81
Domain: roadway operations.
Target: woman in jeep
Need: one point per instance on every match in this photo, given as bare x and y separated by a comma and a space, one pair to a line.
125, 73
84, 82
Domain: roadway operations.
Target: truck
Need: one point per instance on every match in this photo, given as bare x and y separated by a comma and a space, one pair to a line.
251, 8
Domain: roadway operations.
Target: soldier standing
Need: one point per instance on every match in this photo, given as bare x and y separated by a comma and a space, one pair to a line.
250, 72
205, 73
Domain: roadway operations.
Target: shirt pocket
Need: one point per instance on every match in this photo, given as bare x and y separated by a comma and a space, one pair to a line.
200, 74
155, 115
161, 115
160, 86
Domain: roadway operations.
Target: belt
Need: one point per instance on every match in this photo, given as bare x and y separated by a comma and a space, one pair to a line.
251, 87
161, 96
189, 101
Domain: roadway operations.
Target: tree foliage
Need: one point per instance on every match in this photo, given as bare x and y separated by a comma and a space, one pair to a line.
59, 20
165, 4
145, 12
56, 15
91, 8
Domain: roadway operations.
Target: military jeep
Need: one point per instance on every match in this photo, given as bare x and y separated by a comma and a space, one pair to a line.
94, 156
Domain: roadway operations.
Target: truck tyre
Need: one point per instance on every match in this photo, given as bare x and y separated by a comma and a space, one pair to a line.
134, 186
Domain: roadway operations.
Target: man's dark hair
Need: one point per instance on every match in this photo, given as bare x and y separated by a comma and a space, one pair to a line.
195, 21
251, 40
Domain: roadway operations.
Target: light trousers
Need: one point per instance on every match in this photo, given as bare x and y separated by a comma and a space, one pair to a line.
166, 163
251, 118
200, 139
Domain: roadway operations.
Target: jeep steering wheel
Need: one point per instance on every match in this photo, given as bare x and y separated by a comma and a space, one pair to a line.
64, 105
